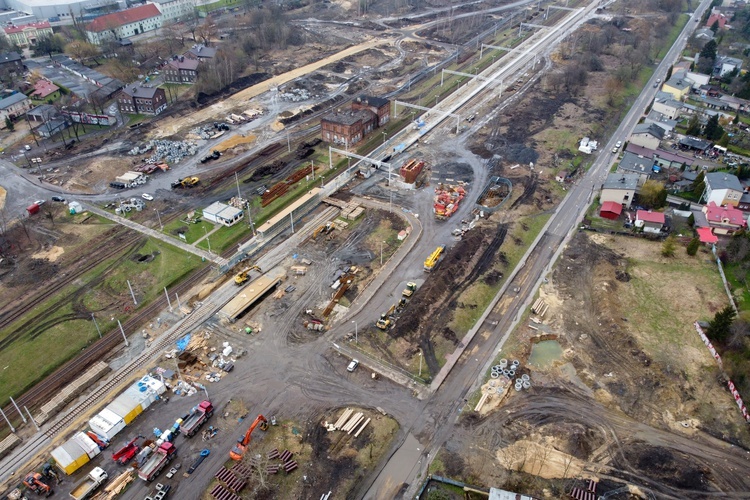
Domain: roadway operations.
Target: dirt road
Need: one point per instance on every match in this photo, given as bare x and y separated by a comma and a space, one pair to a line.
172, 125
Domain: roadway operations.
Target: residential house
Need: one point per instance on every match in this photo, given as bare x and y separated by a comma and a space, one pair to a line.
636, 165
678, 87
201, 52
620, 188
709, 91
27, 35
124, 24
722, 189
647, 135
13, 106
670, 160
651, 222
717, 17
378, 105
704, 34
46, 121
40, 114
744, 203
11, 63
668, 107
181, 69
43, 88
724, 220
725, 65
175, 10
685, 183
661, 120
736, 103
136, 99
561, 176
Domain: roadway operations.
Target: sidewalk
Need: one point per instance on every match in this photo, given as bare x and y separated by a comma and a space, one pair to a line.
156, 234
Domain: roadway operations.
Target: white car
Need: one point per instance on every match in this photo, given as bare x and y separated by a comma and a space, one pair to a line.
39, 202
147, 196
352, 366
619, 143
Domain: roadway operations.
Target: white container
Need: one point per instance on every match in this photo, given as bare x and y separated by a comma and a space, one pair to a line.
107, 424
87, 444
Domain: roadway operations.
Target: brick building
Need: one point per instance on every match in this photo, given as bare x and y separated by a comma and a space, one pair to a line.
378, 105
124, 24
181, 69
349, 127
135, 99
28, 34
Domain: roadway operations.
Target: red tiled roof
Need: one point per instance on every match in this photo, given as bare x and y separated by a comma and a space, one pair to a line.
43, 88
611, 206
117, 19
705, 235
17, 29
724, 215
645, 216
721, 18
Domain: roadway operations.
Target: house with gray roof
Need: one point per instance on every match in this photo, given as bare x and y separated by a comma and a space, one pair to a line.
636, 165
13, 106
619, 188
647, 135
722, 188
668, 107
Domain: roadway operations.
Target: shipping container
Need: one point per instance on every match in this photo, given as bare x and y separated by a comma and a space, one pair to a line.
107, 424
87, 444
125, 407
70, 457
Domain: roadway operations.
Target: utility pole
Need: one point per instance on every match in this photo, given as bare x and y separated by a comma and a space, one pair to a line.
12, 429
18, 410
131, 293
237, 178
96, 325
169, 303
127, 344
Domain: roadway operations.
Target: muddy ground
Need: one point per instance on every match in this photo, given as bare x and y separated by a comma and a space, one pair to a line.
628, 401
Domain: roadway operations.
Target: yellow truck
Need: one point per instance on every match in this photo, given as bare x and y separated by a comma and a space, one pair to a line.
434, 258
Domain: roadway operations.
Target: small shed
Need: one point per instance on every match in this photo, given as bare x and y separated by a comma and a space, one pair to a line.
75, 207
222, 213
561, 176
610, 210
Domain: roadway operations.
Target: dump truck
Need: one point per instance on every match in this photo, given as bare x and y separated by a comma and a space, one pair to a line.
434, 258
411, 287
244, 276
156, 462
90, 484
197, 417
186, 182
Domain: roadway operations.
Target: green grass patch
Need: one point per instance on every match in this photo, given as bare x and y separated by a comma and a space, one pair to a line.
192, 232
226, 237
674, 32
221, 4
108, 291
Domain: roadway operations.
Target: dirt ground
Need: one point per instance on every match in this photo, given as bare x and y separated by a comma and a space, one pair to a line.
640, 383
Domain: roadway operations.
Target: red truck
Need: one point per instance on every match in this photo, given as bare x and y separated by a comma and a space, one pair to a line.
127, 452
156, 462
197, 417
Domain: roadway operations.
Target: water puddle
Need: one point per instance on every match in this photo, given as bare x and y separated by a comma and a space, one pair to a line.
545, 353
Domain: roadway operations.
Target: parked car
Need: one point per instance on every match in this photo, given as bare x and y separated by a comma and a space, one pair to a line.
39, 202
58, 198
147, 196
615, 149
619, 143
352, 366
27, 147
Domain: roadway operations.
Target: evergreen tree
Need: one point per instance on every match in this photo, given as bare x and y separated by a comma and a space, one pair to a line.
715, 26
694, 126
709, 50
668, 247
699, 184
691, 220
713, 130
9, 124
720, 327
693, 246
669, 73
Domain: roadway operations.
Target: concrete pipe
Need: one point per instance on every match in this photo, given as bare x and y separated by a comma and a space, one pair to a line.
492, 383
503, 363
495, 375
512, 373
497, 368
516, 362
518, 388
526, 384
524, 377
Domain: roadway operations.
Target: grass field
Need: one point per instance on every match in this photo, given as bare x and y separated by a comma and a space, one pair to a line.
108, 298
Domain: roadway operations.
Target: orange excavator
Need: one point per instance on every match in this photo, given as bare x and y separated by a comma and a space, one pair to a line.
36, 483
239, 449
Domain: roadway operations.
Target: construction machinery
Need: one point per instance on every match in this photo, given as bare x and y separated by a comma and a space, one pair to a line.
89, 484
156, 462
325, 229
401, 304
127, 452
411, 287
243, 276
215, 155
37, 483
434, 258
238, 451
197, 417
186, 182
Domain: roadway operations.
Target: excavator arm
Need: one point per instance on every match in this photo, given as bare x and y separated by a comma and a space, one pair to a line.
238, 451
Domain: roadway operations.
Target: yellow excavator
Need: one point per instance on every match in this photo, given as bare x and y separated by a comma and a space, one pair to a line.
244, 276
385, 322
325, 229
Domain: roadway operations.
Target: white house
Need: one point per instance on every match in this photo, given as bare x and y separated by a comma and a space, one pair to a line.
175, 10
619, 188
722, 189
651, 222
124, 24
13, 106
668, 107
221, 213
647, 135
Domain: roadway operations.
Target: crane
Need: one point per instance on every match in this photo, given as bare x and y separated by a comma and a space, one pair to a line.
239, 449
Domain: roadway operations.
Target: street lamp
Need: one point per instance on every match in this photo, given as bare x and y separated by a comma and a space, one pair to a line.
420, 363
436, 99
207, 240
356, 333
159, 217
381, 252
384, 136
